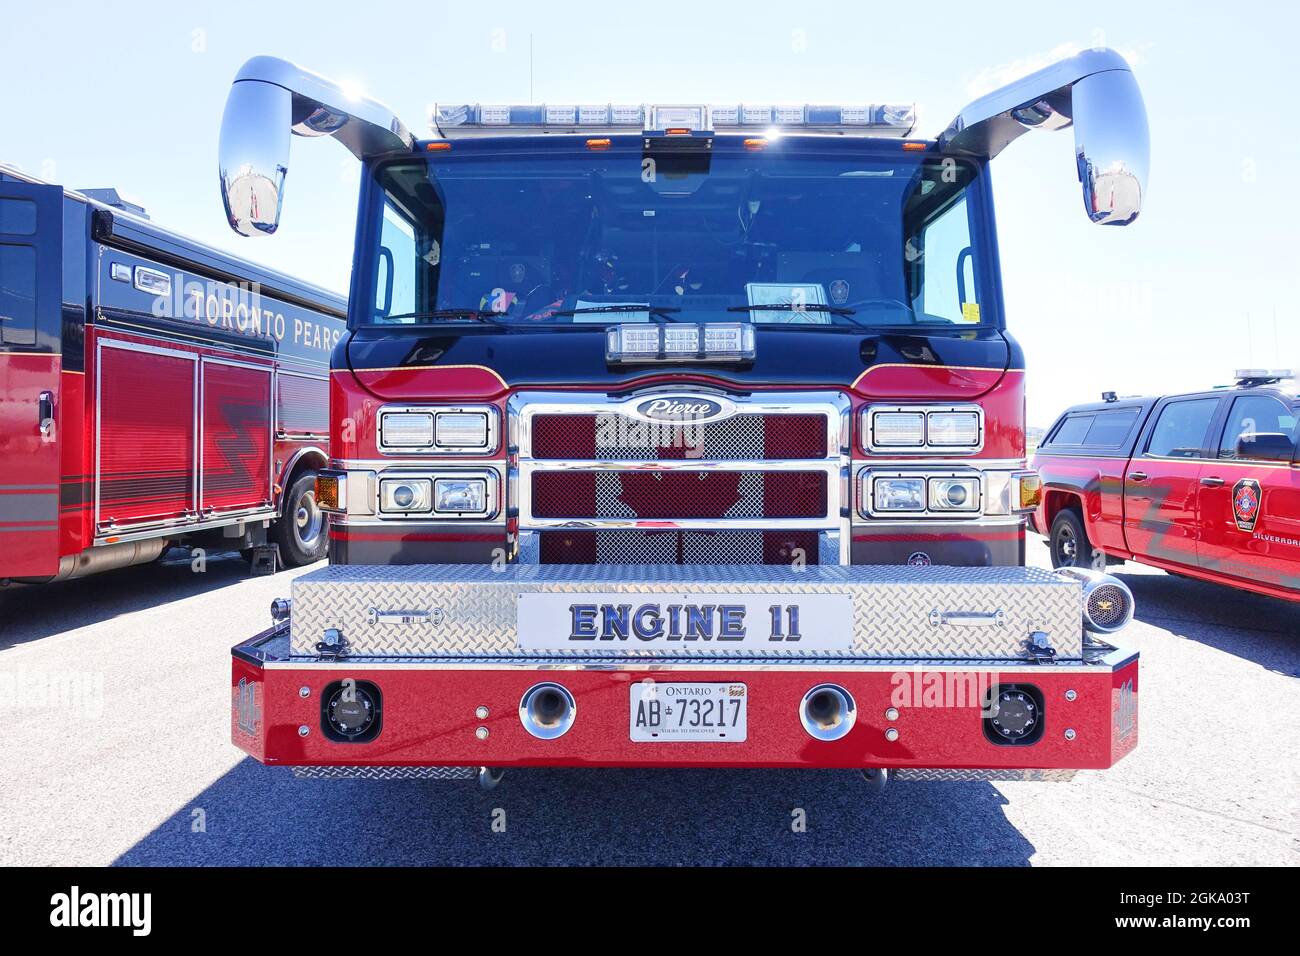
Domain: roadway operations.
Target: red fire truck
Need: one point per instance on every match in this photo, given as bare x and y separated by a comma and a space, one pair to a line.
682, 435
1202, 484
153, 391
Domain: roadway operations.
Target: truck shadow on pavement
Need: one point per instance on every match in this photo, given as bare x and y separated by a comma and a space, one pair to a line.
42, 610
1254, 627
256, 815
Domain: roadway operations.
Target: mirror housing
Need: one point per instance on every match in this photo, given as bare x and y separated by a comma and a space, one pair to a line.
1265, 446
1094, 92
271, 99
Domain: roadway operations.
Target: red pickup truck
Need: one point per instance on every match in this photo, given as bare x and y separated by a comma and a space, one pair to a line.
1204, 484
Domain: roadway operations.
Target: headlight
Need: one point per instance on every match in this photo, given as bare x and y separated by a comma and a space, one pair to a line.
897, 429
898, 494
405, 495
406, 429
461, 430
953, 429
460, 495
954, 494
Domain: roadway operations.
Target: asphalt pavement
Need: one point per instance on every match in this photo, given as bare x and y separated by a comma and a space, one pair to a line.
117, 751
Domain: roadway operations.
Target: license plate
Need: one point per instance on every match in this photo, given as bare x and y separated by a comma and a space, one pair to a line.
703, 713
695, 623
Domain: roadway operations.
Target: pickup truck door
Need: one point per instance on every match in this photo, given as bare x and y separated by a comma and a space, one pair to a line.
1249, 496
1162, 483
31, 275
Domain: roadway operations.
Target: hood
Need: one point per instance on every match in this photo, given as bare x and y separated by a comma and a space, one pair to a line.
414, 363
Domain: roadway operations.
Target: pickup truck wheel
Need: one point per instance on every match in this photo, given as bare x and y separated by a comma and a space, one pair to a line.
1070, 546
300, 531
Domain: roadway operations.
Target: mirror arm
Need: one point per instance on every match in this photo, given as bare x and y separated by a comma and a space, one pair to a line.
321, 107
1041, 100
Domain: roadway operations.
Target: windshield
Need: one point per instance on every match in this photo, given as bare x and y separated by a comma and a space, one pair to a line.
783, 235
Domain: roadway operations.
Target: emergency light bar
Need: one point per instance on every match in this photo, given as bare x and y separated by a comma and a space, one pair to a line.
469, 119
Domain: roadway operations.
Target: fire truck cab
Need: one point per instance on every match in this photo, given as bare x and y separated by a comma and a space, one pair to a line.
153, 391
1203, 484
682, 435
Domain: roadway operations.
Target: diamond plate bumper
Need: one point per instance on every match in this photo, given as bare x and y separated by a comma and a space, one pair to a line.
448, 712
899, 612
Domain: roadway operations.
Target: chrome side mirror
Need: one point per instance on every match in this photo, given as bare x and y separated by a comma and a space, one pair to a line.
269, 100
1112, 146
1094, 92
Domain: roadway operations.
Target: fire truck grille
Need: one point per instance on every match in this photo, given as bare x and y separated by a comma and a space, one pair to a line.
679, 495
678, 547
608, 437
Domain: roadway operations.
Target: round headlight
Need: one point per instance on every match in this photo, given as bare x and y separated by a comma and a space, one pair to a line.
403, 496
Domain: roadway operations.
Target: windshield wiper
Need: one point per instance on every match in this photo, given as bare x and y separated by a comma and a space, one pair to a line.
792, 307
475, 315
663, 312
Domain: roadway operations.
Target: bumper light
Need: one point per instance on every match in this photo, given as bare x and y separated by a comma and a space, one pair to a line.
460, 496
403, 496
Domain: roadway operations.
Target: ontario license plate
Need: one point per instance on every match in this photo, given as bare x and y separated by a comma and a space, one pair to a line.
704, 713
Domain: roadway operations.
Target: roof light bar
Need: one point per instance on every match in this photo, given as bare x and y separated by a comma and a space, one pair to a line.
472, 118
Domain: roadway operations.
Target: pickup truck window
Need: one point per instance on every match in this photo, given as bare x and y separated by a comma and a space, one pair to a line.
1180, 429
1096, 429
1254, 415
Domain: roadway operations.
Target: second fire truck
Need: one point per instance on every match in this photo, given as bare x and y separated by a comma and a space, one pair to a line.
683, 435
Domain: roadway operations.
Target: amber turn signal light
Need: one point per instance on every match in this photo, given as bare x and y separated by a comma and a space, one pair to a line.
327, 492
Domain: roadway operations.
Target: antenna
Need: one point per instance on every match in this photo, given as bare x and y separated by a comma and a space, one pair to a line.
530, 68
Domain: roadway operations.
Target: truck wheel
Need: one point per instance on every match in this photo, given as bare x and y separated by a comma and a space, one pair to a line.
300, 531
1069, 543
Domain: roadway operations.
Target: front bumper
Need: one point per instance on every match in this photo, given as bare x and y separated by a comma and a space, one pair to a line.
431, 712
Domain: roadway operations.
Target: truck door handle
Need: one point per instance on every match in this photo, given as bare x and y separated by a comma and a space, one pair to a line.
1137, 476
1213, 481
45, 412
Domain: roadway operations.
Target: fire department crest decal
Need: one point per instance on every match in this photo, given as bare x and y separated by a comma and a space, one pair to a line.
1246, 503
839, 290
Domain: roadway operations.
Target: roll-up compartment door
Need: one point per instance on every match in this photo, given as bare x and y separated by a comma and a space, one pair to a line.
146, 449
236, 467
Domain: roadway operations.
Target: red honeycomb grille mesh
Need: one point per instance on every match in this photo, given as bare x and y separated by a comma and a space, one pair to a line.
678, 495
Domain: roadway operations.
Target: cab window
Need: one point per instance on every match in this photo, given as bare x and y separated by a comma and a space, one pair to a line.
1181, 428
1259, 428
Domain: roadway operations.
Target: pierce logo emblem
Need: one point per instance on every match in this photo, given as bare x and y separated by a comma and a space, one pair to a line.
679, 408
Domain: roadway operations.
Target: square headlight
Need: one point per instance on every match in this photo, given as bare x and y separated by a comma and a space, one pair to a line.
406, 429
461, 430
898, 494
460, 495
405, 495
896, 430
954, 429
954, 494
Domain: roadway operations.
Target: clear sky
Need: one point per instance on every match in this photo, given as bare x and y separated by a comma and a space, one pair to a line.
1208, 280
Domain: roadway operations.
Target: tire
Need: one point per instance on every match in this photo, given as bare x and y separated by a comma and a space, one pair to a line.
1069, 544
301, 531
